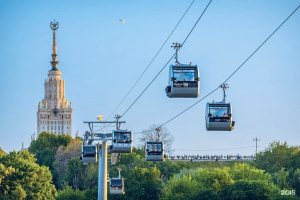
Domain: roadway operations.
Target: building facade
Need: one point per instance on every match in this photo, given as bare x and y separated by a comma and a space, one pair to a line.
54, 113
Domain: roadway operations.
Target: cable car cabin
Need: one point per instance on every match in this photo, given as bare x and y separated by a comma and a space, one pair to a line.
154, 151
116, 186
183, 81
218, 117
122, 141
89, 154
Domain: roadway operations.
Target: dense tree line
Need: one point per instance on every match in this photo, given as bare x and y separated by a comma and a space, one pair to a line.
54, 160
283, 163
22, 178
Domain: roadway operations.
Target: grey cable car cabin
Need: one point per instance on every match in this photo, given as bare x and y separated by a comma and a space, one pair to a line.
116, 186
183, 79
89, 154
122, 141
218, 116
154, 151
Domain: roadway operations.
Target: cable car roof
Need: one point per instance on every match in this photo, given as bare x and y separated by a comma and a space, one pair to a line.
121, 131
154, 142
183, 67
218, 104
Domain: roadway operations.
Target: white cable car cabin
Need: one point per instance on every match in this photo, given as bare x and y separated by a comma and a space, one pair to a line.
116, 186
219, 117
154, 151
183, 81
122, 141
89, 154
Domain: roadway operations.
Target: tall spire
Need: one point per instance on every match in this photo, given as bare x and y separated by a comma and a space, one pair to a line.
54, 26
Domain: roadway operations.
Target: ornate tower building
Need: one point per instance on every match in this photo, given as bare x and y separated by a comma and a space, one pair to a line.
54, 114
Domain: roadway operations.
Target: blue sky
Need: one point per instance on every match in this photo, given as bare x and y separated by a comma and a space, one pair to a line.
100, 59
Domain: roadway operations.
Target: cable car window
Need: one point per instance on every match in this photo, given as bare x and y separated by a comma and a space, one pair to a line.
116, 183
184, 75
122, 137
219, 111
89, 149
154, 147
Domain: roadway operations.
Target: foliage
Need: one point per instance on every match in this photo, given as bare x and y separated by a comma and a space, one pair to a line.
45, 147
295, 181
169, 168
220, 183
205, 194
45, 157
181, 188
144, 183
2, 152
76, 173
276, 156
216, 178
250, 190
164, 180
22, 178
69, 194
63, 155
50, 141
280, 179
243, 171
91, 178
282, 162
141, 183
134, 159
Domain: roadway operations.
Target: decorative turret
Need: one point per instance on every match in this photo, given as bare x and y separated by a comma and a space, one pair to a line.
54, 26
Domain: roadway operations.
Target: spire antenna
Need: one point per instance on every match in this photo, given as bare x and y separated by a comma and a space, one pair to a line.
54, 26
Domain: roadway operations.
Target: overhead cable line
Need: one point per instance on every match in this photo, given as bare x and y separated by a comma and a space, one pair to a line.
230, 75
148, 65
261, 45
152, 60
167, 62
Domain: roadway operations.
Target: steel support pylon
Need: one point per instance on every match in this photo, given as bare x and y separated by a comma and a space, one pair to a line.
102, 173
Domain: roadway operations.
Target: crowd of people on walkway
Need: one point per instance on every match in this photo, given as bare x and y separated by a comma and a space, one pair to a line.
211, 157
